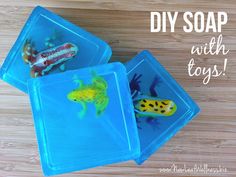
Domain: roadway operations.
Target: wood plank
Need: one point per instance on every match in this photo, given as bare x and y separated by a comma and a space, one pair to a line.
208, 139
136, 5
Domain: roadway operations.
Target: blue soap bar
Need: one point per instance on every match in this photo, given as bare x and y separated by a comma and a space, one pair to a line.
49, 44
162, 107
84, 118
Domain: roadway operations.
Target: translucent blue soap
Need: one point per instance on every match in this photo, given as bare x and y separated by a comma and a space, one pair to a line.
49, 44
162, 107
84, 118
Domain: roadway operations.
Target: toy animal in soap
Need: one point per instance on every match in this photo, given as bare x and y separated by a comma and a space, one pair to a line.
95, 93
150, 106
43, 62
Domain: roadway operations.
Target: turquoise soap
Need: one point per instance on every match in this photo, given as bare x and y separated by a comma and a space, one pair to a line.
84, 118
49, 44
162, 107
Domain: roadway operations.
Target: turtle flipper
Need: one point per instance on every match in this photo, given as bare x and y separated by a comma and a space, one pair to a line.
101, 104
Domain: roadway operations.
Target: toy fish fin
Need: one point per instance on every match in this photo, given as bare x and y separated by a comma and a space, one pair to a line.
101, 104
62, 67
83, 111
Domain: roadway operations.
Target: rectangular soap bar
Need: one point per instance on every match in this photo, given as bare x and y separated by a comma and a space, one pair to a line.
49, 44
162, 107
84, 118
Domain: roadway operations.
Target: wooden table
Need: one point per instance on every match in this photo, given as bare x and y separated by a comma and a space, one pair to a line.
209, 139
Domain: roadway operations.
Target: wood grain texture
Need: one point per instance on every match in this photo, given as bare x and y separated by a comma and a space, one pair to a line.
208, 139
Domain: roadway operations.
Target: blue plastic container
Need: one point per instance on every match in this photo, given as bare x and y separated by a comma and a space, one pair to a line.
49, 44
84, 118
162, 106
